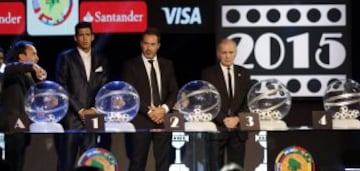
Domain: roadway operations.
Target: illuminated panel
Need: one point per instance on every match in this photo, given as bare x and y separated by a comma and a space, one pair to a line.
12, 18
284, 15
115, 17
303, 45
52, 17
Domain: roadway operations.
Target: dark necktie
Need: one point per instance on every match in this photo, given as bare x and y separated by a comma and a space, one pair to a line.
230, 91
230, 83
154, 85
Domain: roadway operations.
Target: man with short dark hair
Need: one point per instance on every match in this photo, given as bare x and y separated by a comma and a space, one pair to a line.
82, 72
154, 79
21, 61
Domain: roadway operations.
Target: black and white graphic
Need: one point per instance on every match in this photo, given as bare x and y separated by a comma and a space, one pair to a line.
305, 46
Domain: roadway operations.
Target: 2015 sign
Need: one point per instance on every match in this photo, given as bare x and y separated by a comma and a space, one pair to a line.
303, 45
262, 50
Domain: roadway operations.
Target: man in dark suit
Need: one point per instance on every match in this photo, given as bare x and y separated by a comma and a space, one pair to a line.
154, 79
21, 62
232, 82
82, 72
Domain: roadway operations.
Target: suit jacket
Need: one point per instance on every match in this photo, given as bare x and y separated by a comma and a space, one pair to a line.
135, 74
71, 74
17, 81
215, 76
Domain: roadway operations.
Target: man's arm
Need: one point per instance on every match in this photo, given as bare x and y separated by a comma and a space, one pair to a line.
208, 75
172, 89
128, 75
24, 67
18, 67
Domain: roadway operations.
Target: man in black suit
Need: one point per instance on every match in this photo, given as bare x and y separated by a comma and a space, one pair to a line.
232, 82
154, 79
21, 62
82, 72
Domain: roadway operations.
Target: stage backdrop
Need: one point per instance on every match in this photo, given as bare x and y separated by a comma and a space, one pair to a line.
304, 44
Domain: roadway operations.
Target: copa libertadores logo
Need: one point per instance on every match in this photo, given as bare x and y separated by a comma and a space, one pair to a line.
52, 17
305, 46
98, 158
294, 158
52, 12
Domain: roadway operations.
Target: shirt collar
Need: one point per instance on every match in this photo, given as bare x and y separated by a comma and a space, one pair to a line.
83, 53
225, 68
147, 59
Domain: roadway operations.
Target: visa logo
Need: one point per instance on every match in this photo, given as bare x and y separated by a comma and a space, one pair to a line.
182, 15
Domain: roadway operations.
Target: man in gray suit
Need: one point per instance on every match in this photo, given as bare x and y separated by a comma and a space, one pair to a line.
82, 72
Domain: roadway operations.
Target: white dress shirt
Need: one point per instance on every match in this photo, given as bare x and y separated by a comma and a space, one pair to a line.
225, 73
158, 75
2, 68
86, 58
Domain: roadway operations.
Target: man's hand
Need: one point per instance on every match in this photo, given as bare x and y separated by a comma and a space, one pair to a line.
231, 122
157, 114
40, 72
83, 112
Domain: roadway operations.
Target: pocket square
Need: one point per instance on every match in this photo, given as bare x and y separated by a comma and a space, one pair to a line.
99, 69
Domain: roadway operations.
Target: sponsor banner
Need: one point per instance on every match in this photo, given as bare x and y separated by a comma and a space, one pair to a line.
12, 18
191, 16
55, 17
115, 17
304, 44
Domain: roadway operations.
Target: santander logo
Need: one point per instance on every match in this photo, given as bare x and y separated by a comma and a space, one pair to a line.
12, 17
115, 17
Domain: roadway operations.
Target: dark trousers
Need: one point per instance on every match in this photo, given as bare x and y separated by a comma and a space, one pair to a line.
68, 145
137, 148
104, 141
234, 144
15, 146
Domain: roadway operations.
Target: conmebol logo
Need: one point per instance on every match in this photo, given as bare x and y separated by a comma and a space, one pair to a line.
115, 17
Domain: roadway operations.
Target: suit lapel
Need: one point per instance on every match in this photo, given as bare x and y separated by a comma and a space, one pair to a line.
221, 80
94, 65
238, 82
162, 77
80, 63
143, 75
237, 76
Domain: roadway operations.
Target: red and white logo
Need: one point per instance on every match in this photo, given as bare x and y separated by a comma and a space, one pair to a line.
115, 17
12, 17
